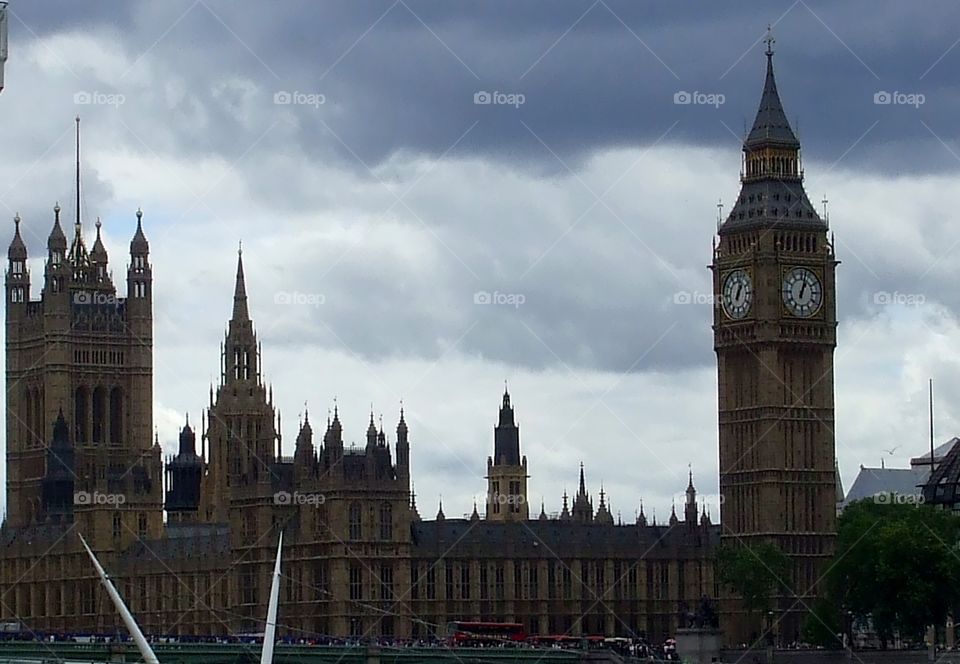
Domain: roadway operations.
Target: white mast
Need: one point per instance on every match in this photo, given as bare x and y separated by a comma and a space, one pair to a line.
3, 39
270, 630
145, 650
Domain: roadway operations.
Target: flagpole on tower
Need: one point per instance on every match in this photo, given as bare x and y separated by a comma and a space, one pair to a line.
3, 39
78, 170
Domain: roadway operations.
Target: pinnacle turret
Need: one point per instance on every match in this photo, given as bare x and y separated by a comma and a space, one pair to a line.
565, 512
139, 244
17, 250
188, 440
57, 241
99, 252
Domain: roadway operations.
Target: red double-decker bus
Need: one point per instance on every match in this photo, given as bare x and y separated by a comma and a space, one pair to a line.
467, 633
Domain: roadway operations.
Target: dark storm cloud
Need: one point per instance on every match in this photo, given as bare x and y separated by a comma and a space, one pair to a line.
402, 75
398, 80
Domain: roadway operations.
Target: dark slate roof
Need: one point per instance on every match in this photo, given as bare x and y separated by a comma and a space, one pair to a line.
873, 481
943, 487
773, 203
462, 538
771, 126
939, 453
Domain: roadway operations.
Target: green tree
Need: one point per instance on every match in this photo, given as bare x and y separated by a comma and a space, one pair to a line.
756, 572
823, 625
897, 565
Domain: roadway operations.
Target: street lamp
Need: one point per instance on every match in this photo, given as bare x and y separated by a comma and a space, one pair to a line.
770, 637
848, 635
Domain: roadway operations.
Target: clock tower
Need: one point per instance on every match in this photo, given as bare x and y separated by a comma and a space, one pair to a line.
774, 334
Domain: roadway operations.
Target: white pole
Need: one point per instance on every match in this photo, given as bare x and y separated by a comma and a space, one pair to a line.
145, 650
270, 630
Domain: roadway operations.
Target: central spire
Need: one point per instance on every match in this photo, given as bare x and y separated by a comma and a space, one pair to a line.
771, 126
240, 312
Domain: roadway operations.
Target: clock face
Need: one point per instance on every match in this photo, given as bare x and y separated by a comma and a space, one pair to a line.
737, 294
802, 292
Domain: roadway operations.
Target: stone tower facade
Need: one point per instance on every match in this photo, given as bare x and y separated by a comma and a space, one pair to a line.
82, 356
775, 335
507, 470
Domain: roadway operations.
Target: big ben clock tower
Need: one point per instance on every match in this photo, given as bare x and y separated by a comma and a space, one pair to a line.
774, 335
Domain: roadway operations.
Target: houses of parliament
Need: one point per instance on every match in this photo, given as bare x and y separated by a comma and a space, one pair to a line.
189, 539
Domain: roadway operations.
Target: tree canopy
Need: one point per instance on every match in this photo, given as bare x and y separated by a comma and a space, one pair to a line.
757, 572
897, 565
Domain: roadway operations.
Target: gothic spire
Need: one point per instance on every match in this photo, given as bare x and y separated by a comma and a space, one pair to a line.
371, 430
240, 312
771, 127
401, 426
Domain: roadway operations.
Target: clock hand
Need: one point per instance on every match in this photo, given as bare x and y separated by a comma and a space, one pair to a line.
803, 288
739, 290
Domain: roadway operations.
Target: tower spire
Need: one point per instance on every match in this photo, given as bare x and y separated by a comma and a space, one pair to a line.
240, 312
772, 170
770, 126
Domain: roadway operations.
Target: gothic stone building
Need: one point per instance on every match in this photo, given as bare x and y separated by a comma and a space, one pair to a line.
357, 560
190, 539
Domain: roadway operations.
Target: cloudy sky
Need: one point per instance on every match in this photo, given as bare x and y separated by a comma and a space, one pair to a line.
404, 240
